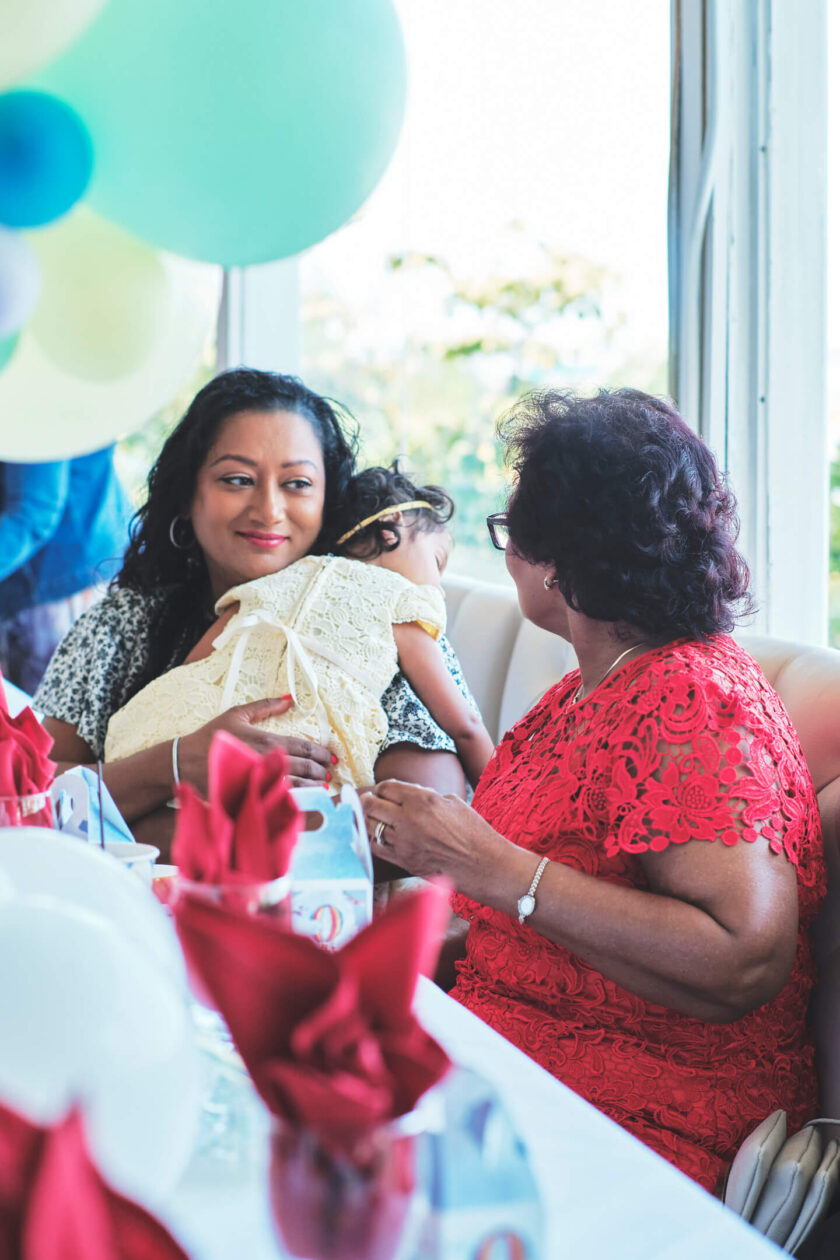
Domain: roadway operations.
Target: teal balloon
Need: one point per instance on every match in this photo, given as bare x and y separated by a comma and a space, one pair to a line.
236, 131
8, 345
45, 158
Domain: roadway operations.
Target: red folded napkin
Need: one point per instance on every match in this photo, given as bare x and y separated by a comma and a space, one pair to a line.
329, 1039
25, 767
54, 1205
249, 826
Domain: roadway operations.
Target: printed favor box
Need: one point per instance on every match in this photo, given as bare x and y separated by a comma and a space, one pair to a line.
332, 871
482, 1194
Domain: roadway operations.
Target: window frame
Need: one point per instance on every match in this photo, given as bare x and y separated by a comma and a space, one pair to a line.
747, 264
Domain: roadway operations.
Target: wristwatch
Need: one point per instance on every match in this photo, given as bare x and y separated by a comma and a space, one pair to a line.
527, 903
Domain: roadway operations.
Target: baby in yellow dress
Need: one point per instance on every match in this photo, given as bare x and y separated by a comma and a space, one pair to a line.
331, 631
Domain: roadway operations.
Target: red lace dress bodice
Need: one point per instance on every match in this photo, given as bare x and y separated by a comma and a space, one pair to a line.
687, 742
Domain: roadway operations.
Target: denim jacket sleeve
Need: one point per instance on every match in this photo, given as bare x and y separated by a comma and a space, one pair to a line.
32, 505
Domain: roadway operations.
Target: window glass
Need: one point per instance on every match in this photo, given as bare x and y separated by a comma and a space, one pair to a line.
833, 321
518, 239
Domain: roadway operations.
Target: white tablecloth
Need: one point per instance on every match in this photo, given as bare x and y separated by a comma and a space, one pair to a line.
606, 1196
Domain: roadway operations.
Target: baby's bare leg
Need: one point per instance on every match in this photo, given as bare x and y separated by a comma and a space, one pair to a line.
205, 644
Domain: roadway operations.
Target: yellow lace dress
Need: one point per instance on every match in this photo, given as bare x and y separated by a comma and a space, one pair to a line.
320, 630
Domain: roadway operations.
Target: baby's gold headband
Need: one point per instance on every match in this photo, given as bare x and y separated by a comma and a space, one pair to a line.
386, 511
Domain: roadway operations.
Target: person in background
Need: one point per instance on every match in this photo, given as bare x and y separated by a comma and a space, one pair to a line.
253, 478
336, 627
63, 530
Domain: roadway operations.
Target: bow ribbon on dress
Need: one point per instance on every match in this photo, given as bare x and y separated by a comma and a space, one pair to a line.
297, 656
300, 649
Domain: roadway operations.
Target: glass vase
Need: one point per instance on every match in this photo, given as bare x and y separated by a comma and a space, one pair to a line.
334, 1206
34, 810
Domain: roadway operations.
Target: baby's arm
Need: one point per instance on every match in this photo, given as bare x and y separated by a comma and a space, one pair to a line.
205, 644
421, 660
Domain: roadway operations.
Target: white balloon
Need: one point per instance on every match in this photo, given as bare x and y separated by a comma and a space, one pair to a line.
7, 888
38, 860
20, 281
33, 32
88, 1020
104, 294
45, 413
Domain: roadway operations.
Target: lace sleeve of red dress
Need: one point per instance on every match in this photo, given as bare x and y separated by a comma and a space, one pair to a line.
704, 751
687, 742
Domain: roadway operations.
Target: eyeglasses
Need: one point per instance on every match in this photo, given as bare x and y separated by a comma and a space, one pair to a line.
499, 533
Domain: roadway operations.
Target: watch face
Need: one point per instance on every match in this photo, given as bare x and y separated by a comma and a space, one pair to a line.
526, 905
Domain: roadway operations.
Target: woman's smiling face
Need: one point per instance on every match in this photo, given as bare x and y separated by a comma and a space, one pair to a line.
259, 496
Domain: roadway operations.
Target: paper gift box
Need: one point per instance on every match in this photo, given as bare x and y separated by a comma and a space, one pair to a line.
77, 795
332, 871
483, 1198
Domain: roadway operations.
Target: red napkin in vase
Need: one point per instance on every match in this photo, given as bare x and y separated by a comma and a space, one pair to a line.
247, 829
54, 1205
25, 768
329, 1039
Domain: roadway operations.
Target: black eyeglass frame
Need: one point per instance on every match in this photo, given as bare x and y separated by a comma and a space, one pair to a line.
493, 521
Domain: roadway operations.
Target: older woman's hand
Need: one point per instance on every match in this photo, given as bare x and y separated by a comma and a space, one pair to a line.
309, 764
428, 835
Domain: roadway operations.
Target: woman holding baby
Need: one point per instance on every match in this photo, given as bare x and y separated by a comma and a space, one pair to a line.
258, 475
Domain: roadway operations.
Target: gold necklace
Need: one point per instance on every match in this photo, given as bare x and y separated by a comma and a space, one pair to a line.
610, 668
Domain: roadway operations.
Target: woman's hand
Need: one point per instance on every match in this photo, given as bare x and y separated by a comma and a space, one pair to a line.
428, 835
734, 908
309, 764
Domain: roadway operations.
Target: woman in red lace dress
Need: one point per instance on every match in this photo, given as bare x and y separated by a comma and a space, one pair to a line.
662, 965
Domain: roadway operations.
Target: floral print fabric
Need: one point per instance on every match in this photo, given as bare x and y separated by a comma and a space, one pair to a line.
687, 742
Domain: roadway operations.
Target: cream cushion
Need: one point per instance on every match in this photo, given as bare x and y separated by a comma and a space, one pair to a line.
508, 662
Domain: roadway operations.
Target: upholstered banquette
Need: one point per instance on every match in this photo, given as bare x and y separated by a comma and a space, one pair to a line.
509, 663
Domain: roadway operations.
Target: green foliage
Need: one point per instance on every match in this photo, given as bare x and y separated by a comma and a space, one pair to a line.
834, 518
433, 397
834, 552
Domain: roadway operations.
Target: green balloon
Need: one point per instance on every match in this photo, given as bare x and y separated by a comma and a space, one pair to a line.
8, 345
236, 131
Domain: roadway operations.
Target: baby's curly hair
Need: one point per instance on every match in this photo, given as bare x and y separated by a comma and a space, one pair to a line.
375, 489
627, 503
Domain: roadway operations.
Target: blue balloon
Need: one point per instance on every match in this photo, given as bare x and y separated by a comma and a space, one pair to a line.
236, 131
46, 158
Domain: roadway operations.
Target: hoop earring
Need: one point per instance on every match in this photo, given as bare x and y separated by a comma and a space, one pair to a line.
178, 546
549, 583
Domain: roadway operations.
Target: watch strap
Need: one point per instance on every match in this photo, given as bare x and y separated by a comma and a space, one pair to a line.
530, 905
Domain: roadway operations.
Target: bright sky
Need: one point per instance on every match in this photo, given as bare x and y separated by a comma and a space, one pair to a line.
553, 113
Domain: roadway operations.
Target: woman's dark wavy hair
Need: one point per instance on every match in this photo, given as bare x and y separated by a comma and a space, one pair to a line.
627, 503
152, 562
376, 488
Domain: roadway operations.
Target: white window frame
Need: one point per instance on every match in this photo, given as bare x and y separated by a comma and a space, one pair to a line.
260, 317
747, 258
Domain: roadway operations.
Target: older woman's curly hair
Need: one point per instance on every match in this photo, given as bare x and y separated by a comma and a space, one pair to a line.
627, 503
